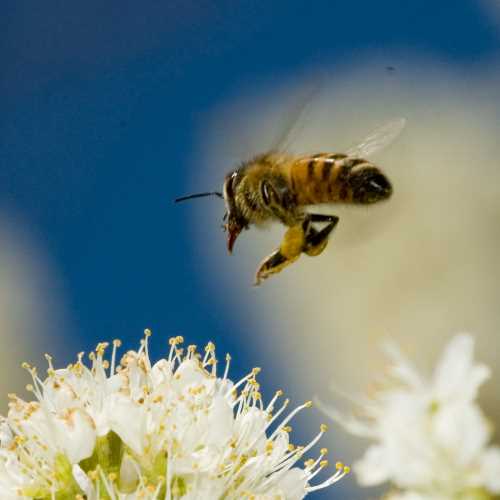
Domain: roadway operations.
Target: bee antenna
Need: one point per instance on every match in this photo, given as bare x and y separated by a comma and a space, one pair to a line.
198, 195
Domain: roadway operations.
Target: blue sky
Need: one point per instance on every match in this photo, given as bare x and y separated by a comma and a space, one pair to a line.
101, 109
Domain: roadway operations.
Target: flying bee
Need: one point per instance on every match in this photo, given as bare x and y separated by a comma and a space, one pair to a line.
277, 186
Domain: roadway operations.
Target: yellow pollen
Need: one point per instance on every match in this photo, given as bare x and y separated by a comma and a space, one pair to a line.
339, 465
347, 469
323, 463
323, 451
117, 342
279, 393
147, 332
101, 348
308, 404
323, 427
20, 440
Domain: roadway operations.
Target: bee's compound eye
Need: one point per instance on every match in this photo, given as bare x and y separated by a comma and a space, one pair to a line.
265, 192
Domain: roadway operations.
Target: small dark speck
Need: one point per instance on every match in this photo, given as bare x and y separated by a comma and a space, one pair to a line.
390, 68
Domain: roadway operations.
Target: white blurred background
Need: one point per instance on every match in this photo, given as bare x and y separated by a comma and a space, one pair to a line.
417, 269
29, 305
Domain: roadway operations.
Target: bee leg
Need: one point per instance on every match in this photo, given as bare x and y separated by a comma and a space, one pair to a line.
316, 241
289, 251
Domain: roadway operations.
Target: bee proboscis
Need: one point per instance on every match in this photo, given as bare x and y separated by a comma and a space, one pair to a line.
277, 186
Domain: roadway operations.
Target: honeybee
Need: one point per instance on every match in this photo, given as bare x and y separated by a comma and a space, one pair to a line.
277, 186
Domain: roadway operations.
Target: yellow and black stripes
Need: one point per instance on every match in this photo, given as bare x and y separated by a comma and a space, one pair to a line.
331, 178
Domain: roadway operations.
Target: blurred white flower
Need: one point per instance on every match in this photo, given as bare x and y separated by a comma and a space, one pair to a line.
165, 431
430, 436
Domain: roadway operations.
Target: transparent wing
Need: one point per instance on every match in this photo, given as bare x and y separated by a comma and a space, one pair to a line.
378, 139
296, 119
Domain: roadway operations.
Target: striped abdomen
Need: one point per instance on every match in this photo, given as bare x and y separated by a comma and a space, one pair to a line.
334, 178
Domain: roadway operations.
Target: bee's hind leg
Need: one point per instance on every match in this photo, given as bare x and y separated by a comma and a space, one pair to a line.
316, 241
289, 251
299, 238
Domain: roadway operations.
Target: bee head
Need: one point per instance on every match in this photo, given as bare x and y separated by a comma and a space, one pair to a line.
235, 222
370, 185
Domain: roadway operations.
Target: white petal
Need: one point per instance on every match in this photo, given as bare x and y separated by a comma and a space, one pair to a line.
127, 419
456, 376
6, 435
11, 475
60, 396
161, 372
490, 469
462, 431
251, 429
351, 424
188, 373
75, 434
128, 474
371, 469
83, 480
293, 484
220, 421
201, 487
402, 369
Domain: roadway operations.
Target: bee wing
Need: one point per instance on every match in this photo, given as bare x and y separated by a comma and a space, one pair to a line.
296, 120
378, 139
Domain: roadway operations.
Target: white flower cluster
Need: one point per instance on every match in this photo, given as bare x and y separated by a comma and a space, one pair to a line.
430, 436
172, 430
